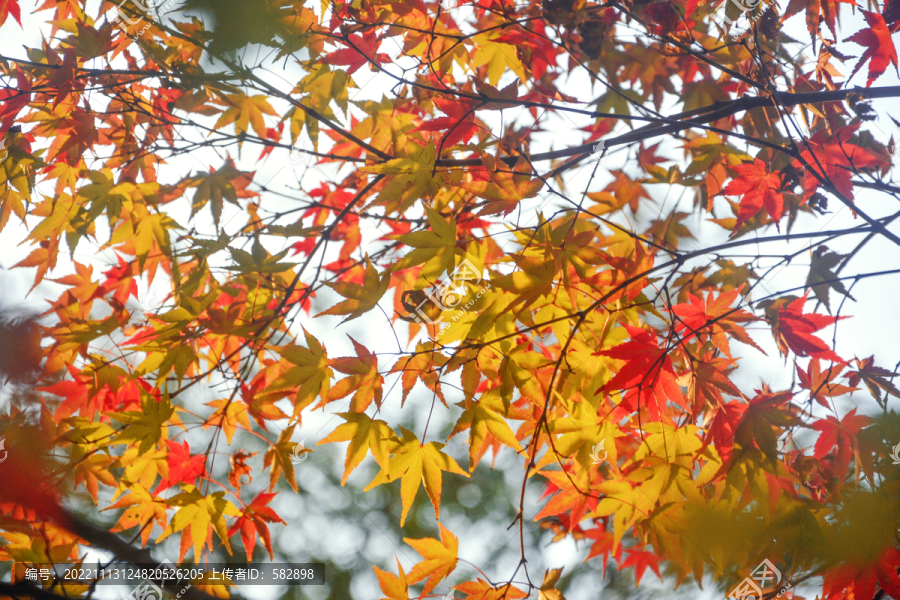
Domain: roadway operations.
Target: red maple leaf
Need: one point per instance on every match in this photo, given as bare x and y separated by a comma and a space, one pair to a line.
183, 468
820, 383
793, 331
714, 319
723, 426
603, 546
864, 577
363, 48
459, 122
759, 189
640, 560
86, 394
10, 7
569, 496
879, 46
253, 521
306, 246
647, 373
838, 157
841, 434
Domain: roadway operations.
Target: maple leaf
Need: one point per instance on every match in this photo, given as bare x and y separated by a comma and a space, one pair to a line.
460, 121
714, 319
816, 12
146, 426
841, 434
200, 513
879, 47
621, 192
548, 590
792, 330
252, 522
279, 457
246, 110
838, 157
708, 380
439, 559
603, 544
640, 560
360, 298
506, 189
759, 189
396, 587
364, 434
363, 48
821, 270
762, 421
482, 590
484, 417
229, 414
647, 373
423, 365
820, 383
309, 372
240, 469
874, 377
181, 466
10, 7
435, 248
571, 494
416, 463
864, 577
365, 380
724, 422
408, 178
141, 508
217, 185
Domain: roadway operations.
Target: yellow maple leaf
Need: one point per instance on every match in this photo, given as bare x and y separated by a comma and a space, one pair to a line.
246, 110
482, 590
360, 298
364, 434
310, 374
440, 559
417, 463
408, 178
396, 587
483, 417
200, 513
365, 380
435, 248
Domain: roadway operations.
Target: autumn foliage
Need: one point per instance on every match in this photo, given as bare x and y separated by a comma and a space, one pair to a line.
615, 301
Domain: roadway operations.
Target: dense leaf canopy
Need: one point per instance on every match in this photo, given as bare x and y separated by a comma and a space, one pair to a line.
556, 226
